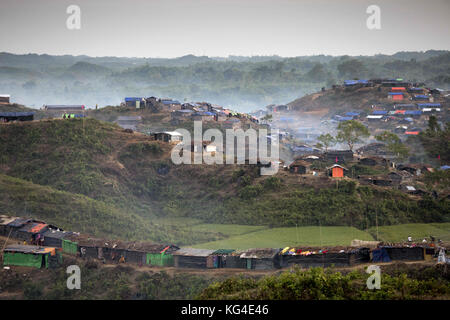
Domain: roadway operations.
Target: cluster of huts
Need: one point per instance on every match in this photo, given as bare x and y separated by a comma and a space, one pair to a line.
410, 103
46, 243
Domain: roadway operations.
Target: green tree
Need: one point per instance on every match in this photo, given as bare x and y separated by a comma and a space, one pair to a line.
326, 140
351, 132
394, 144
433, 126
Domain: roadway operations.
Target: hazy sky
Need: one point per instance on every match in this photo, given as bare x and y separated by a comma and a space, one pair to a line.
172, 28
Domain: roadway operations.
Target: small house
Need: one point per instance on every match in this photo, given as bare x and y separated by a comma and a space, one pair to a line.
129, 122
192, 258
54, 238
299, 167
135, 102
415, 90
395, 96
372, 117
16, 116
15, 225
336, 171
168, 136
160, 256
395, 177
317, 257
405, 253
338, 155
31, 256
64, 107
262, 259
4, 224
218, 259
373, 161
4, 98
421, 97
32, 231
170, 105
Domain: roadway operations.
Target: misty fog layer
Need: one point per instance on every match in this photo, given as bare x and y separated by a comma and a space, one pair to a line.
241, 83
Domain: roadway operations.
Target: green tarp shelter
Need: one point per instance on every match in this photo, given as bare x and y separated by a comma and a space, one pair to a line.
160, 259
31, 256
69, 246
25, 259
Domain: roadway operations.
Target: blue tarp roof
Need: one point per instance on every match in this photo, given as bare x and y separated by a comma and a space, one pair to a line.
427, 105
16, 114
353, 82
352, 114
127, 99
395, 93
378, 112
416, 89
170, 102
445, 167
421, 96
413, 112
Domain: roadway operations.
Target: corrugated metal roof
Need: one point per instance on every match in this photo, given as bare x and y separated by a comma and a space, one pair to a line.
4, 220
27, 249
62, 107
19, 222
260, 253
193, 252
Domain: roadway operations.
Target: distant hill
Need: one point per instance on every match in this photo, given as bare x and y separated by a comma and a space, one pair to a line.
241, 83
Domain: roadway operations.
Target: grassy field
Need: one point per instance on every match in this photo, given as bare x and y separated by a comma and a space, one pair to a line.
282, 237
417, 231
227, 229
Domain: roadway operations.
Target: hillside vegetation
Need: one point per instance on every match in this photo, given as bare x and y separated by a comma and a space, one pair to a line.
103, 166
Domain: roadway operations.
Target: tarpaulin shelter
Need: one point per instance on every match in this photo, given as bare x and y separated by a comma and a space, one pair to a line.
191, 258
64, 107
16, 116
262, 259
299, 166
218, 259
405, 253
421, 97
54, 238
380, 255
15, 225
31, 256
379, 112
429, 105
31, 230
315, 257
4, 224
161, 256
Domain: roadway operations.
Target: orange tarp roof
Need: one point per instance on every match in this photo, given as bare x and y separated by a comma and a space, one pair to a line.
38, 228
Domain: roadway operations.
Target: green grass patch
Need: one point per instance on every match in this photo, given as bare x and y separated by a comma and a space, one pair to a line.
227, 229
417, 231
282, 237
